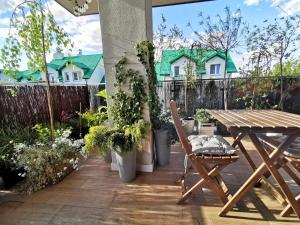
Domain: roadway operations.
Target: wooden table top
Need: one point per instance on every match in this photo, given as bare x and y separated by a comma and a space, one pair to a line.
257, 119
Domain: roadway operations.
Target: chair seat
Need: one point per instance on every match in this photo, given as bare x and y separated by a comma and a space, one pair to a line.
213, 145
293, 150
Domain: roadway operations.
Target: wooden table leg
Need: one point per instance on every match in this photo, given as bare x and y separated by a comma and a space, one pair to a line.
243, 189
257, 174
270, 163
237, 141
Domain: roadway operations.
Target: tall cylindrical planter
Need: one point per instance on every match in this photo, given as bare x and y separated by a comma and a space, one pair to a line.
162, 147
188, 125
127, 165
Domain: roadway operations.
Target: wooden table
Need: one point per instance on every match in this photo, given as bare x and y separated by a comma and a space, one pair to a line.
255, 123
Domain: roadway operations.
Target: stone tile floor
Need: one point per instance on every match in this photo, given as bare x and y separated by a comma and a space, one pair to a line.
94, 195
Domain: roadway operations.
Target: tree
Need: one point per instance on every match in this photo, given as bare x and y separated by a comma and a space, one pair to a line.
283, 35
221, 34
260, 53
33, 31
167, 38
289, 68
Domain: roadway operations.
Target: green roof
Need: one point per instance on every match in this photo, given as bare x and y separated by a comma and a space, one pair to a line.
87, 63
199, 56
29, 75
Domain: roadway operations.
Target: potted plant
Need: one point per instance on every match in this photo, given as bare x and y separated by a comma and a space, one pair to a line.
126, 112
206, 125
98, 140
164, 135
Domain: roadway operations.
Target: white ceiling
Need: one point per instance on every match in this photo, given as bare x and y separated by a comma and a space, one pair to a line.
93, 7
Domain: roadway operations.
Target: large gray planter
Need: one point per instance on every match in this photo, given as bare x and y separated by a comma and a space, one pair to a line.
126, 165
206, 128
188, 125
162, 147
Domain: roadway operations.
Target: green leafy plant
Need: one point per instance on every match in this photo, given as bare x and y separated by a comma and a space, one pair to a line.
36, 33
98, 139
203, 116
164, 122
46, 163
127, 108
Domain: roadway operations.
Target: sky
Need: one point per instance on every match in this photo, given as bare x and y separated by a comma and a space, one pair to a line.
85, 31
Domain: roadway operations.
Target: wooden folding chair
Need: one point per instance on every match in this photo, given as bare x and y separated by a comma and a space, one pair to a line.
207, 166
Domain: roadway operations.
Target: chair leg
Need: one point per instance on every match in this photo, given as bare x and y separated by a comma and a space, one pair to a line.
288, 209
212, 173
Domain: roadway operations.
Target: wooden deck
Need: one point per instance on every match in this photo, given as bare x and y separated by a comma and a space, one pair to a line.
94, 195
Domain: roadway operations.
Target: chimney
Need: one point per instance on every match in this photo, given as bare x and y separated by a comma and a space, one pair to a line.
58, 54
80, 52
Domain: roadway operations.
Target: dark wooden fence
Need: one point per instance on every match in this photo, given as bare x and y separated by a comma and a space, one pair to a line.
263, 92
27, 104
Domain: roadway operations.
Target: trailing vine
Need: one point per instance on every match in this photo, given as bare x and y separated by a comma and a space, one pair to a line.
145, 55
127, 108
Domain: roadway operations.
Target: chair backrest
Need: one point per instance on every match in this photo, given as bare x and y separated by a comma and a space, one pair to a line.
180, 131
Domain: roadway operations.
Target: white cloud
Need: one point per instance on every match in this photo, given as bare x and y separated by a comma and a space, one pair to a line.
84, 31
8, 5
252, 2
290, 7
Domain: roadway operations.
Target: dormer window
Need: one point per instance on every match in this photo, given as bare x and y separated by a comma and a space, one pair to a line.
215, 69
176, 71
67, 77
77, 75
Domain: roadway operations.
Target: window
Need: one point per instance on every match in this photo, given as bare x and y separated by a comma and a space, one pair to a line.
176, 70
77, 75
67, 77
51, 78
215, 69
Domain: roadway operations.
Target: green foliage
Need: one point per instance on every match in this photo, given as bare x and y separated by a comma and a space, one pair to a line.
290, 68
136, 132
203, 116
46, 163
43, 133
253, 93
164, 122
127, 108
98, 139
94, 118
145, 54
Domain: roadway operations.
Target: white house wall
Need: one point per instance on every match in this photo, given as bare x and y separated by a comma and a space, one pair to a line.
215, 60
182, 63
70, 69
51, 72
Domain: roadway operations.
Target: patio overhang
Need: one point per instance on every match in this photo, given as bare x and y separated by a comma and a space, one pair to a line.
93, 6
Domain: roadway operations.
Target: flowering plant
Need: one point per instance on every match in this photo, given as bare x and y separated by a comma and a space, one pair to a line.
46, 163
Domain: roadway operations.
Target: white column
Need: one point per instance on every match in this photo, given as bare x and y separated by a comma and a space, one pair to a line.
124, 23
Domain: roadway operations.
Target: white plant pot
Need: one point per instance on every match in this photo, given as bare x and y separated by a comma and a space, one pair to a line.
206, 128
188, 125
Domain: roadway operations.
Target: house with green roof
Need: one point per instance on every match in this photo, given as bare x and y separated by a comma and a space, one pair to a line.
68, 70
205, 64
78, 69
